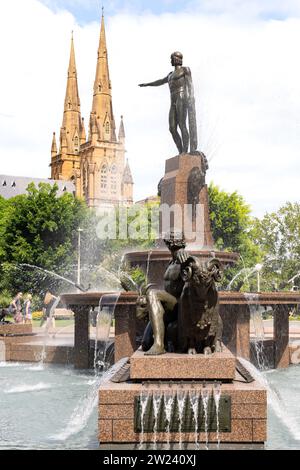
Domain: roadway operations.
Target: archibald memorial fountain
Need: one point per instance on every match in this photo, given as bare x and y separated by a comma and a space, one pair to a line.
182, 385
178, 342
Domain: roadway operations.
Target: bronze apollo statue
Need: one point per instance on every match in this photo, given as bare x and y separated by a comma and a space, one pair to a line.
184, 317
182, 105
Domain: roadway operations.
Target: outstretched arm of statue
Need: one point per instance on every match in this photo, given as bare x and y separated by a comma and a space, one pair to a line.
160, 82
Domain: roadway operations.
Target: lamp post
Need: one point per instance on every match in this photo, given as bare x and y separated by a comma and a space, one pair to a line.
258, 268
79, 255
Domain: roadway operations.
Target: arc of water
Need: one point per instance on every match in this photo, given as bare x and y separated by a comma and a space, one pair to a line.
205, 401
144, 399
47, 328
109, 275
84, 409
107, 305
235, 277
156, 405
258, 324
194, 400
217, 396
50, 273
181, 398
148, 266
168, 403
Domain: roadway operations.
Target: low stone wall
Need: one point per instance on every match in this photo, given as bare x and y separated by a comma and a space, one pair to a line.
18, 349
15, 329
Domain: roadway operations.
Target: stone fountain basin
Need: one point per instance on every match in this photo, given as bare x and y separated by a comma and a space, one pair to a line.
225, 297
154, 263
234, 310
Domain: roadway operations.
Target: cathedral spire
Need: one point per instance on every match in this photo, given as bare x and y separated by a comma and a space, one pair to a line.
54, 146
102, 100
122, 131
83, 134
72, 117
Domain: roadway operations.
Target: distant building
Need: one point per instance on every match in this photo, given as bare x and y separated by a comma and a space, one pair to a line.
95, 164
11, 186
149, 200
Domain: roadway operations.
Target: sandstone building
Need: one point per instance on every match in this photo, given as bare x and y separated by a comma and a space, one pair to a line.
94, 161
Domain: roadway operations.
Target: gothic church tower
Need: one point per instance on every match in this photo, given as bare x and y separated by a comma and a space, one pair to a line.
96, 165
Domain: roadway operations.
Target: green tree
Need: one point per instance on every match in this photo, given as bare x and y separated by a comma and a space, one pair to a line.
135, 234
233, 230
40, 229
278, 236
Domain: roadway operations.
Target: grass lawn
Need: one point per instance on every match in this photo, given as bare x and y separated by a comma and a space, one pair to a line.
58, 323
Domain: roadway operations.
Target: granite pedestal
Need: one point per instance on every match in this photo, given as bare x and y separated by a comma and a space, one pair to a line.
242, 415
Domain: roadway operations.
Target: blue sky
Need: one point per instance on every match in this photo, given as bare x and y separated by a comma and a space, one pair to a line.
89, 10
86, 11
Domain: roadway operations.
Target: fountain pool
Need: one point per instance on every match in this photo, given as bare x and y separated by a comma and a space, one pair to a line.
37, 404
54, 407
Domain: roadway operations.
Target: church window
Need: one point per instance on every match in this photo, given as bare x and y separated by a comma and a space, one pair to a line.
4, 183
103, 181
100, 87
13, 184
76, 144
107, 127
113, 179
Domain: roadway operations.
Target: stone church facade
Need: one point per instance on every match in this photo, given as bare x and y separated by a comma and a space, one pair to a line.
94, 161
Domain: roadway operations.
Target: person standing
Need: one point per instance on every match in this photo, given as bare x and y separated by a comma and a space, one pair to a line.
15, 308
27, 313
48, 310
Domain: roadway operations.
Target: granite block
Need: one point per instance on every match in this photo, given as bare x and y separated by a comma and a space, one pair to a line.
105, 430
259, 430
116, 411
183, 366
247, 411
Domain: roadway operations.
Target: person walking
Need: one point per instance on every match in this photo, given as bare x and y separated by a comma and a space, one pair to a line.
15, 308
48, 310
27, 313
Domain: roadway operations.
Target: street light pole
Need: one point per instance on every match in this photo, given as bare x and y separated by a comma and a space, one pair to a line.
258, 268
79, 256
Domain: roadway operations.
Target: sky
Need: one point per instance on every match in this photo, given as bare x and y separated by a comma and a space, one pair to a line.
244, 59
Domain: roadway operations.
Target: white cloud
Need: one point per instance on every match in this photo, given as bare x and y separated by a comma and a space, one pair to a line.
246, 76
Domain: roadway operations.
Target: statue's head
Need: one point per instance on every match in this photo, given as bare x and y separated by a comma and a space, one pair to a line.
175, 241
176, 58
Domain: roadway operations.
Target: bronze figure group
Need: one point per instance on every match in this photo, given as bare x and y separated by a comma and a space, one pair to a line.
184, 317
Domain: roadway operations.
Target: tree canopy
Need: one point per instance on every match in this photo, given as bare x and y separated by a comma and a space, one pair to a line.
233, 229
278, 235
